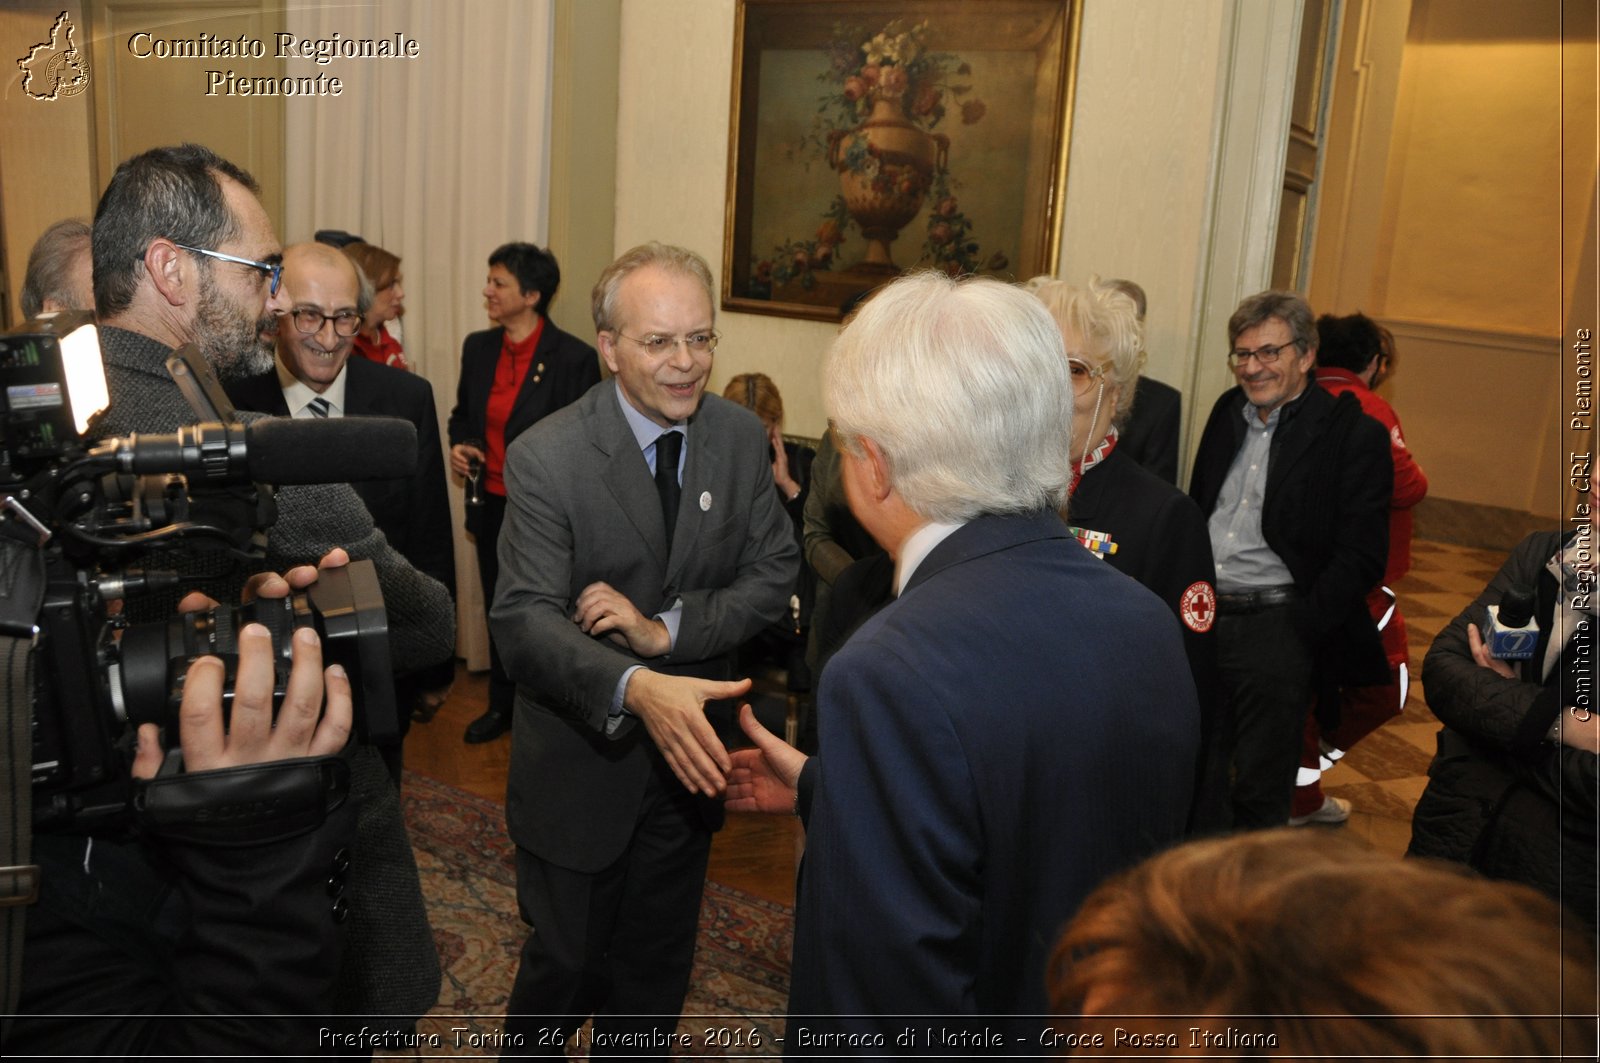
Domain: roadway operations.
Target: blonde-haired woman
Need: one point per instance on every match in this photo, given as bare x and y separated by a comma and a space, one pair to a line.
1137, 522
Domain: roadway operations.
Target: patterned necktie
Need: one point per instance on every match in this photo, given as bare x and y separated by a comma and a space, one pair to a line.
669, 445
319, 406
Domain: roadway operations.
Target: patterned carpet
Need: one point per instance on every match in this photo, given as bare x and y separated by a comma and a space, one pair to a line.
741, 969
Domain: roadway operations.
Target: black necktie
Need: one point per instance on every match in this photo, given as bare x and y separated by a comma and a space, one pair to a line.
319, 406
668, 446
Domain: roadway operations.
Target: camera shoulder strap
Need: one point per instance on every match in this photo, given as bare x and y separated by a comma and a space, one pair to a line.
19, 877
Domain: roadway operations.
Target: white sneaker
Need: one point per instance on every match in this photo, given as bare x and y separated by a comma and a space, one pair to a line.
1334, 810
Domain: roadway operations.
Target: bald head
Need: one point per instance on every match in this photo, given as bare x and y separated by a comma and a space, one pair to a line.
318, 280
328, 264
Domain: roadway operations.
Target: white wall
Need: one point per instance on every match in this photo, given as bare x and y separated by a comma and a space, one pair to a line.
1458, 195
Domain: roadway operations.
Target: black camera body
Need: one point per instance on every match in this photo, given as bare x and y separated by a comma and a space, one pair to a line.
79, 532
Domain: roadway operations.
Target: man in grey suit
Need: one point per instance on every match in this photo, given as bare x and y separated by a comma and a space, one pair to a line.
616, 610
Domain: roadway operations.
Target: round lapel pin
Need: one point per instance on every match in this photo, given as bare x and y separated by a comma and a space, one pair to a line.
705, 501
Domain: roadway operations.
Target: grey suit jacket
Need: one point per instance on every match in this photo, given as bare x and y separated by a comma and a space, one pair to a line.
582, 507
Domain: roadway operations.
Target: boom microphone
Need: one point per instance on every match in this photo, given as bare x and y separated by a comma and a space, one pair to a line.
1509, 630
275, 450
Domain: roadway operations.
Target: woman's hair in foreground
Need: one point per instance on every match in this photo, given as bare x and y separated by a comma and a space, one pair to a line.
1334, 949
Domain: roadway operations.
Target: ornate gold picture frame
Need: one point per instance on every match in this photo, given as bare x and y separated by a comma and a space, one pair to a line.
868, 138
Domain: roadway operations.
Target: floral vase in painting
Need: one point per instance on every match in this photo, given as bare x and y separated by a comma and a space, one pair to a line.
886, 165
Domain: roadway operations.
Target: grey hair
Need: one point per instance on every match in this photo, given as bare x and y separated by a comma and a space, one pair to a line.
603, 300
1289, 307
49, 274
964, 387
1107, 321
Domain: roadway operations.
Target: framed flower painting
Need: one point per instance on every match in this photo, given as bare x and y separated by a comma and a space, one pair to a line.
869, 138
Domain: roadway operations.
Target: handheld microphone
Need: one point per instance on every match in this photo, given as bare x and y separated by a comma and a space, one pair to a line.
275, 450
1509, 630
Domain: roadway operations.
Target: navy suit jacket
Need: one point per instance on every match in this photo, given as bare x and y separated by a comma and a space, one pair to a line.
413, 512
1151, 435
1015, 727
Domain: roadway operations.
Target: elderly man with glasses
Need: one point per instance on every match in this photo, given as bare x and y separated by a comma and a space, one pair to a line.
315, 377
1295, 485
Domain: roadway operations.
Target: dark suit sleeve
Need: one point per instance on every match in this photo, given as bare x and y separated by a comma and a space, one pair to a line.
1187, 545
531, 611
263, 939
716, 620
825, 505
254, 961
897, 829
460, 427
583, 374
1360, 526
1218, 444
261, 393
430, 535
1466, 697
1153, 428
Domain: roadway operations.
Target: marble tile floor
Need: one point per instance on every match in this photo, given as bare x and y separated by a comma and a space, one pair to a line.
1385, 774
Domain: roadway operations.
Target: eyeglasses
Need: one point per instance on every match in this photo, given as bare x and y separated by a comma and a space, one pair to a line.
697, 342
1084, 375
309, 319
1264, 355
272, 270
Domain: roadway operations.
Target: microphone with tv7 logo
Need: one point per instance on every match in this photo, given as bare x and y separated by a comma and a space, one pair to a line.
1509, 630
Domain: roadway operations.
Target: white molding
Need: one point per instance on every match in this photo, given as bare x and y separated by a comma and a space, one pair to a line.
1455, 335
1254, 92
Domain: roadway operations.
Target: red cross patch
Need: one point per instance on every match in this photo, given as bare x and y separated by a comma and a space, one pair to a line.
1198, 607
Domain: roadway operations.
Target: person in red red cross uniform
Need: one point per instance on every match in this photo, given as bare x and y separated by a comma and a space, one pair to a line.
1354, 355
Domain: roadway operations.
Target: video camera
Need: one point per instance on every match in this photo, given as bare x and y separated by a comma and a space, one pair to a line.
81, 523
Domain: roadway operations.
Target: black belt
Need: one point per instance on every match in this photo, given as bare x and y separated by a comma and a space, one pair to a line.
1255, 601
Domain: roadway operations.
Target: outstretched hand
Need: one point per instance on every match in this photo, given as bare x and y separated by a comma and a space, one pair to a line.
673, 708
764, 779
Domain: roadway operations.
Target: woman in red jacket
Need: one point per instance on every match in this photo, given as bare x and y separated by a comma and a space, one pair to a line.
1355, 354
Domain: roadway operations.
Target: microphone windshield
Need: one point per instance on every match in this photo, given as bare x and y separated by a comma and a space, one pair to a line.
331, 450
1516, 607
